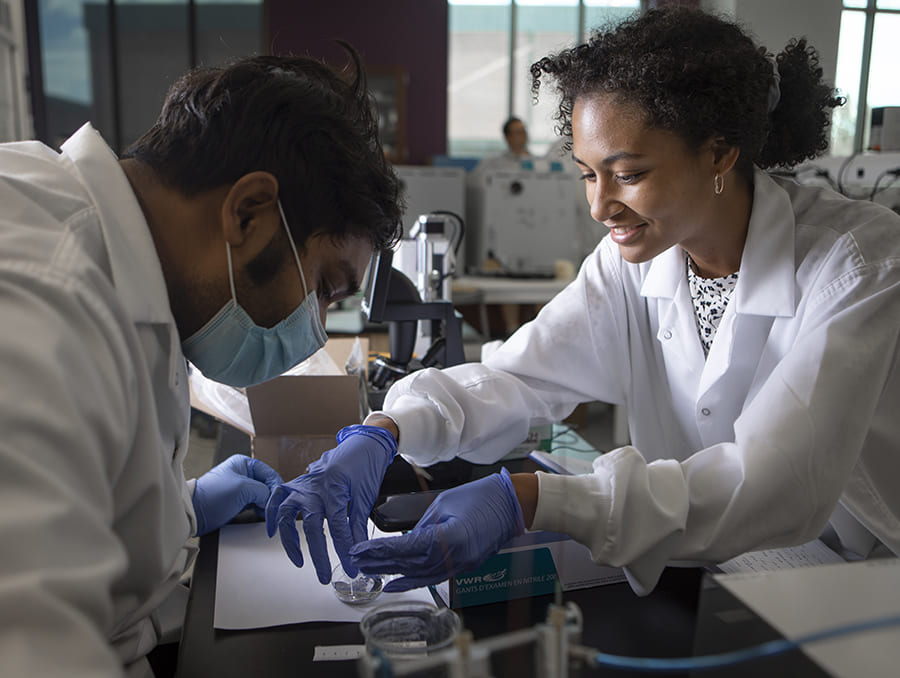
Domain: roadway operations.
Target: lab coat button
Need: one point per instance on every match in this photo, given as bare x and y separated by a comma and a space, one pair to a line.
667, 334
705, 411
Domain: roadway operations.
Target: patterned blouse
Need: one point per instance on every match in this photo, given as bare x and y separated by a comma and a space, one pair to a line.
710, 297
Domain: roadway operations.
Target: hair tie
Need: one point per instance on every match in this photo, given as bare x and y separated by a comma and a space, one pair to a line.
775, 85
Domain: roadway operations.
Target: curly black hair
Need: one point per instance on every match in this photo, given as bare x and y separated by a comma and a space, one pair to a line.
700, 76
315, 129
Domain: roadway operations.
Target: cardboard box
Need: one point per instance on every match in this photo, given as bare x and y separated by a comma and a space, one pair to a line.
531, 565
295, 417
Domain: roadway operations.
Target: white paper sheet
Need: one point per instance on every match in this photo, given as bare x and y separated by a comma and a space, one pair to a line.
258, 586
802, 600
805, 555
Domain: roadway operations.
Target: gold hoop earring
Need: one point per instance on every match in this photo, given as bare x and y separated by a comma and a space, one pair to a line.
719, 184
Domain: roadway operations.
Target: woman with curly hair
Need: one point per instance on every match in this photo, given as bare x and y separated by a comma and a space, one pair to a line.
748, 324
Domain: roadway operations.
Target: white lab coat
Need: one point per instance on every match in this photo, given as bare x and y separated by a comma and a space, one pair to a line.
796, 408
94, 411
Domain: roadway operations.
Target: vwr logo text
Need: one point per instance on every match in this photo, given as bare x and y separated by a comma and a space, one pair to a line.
490, 576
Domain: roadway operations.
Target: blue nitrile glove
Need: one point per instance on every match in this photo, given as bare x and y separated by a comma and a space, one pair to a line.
230, 487
341, 486
459, 531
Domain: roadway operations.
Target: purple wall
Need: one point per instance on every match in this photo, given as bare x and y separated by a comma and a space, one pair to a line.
409, 34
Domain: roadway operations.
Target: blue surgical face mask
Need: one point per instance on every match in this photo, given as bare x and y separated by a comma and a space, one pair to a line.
233, 350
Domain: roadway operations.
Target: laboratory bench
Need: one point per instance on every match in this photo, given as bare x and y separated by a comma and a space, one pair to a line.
496, 306
507, 290
686, 614
616, 621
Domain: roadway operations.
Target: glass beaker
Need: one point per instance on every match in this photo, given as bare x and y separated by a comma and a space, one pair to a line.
408, 629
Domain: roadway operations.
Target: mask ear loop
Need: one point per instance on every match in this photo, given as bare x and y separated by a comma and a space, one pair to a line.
230, 271
293, 248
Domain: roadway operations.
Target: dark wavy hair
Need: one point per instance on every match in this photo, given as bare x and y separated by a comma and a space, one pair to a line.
700, 76
313, 128
509, 123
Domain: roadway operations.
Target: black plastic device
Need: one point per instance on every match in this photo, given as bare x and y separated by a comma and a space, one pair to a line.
401, 512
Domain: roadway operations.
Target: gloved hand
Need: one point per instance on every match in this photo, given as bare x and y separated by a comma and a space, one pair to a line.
458, 532
228, 488
345, 477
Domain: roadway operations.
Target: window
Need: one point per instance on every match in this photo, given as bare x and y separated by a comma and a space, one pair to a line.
492, 44
65, 70
540, 29
111, 62
478, 85
12, 79
868, 52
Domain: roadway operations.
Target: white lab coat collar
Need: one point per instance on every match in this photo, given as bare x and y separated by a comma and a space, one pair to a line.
767, 265
136, 270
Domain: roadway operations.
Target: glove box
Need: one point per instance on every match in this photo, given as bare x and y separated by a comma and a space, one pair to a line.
531, 565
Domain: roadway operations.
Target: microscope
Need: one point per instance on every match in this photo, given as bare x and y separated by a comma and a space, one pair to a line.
435, 239
391, 297
437, 236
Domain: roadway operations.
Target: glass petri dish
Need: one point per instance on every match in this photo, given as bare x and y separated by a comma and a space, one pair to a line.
359, 590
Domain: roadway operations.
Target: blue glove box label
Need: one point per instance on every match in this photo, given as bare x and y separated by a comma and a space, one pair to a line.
505, 576
531, 565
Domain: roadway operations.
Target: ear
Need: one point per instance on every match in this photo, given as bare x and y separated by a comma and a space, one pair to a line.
724, 155
249, 212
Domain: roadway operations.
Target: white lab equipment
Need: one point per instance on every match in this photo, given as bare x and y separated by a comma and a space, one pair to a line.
438, 238
869, 175
424, 190
885, 129
526, 220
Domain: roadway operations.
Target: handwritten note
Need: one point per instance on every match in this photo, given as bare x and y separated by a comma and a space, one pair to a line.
812, 553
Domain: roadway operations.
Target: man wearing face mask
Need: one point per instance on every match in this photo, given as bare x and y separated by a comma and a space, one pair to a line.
219, 237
